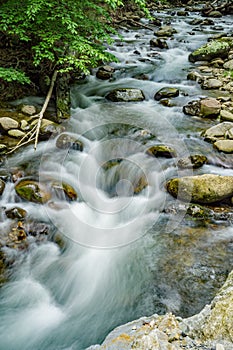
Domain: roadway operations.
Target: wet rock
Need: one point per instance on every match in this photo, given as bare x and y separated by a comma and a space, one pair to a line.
111, 163
182, 13
211, 50
17, 237
166, 31
161, 43
28, 110
2, 186
3, 148
192, 108
66, 141
32, 191
226, 115
16, 133
166, 92
217, 132
140, 184
50, 129
193, 161
215, 14
228, 65
16, 213
209, 107
105, 72
225, 146
162, 151
196, 76
64, 191
214, 322
211, 84
7, 123
125, 95
207, 188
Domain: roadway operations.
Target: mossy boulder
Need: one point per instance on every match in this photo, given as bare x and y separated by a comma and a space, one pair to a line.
125, 95
203, 189
166, 92
213, 49
32, 191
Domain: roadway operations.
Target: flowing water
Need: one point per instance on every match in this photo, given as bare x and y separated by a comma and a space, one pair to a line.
123, 256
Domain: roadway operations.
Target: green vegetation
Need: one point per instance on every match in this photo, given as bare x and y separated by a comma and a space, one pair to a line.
61, 35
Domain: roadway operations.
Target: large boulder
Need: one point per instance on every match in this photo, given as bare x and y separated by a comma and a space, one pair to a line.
211, 50
125, 95
207, 188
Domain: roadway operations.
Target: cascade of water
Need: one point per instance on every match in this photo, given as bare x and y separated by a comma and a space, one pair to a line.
71, 299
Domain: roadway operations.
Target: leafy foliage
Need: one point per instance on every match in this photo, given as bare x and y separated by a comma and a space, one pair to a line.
11, 74
67, 34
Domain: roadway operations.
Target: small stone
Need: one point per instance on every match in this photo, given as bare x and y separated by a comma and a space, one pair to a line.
16, 133
16, 213
28, 110
217, 131
160, 43
165, 31
64, 191
226, 115
8, 123
192, 108
225, 146
24, 125
215, 14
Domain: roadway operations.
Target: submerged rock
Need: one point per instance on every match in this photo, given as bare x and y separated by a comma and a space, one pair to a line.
207, 188
166, 92
125, 95
166, 31
32, 191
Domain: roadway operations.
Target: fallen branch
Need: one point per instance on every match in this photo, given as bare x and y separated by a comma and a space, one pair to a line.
45, 105
33, 134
